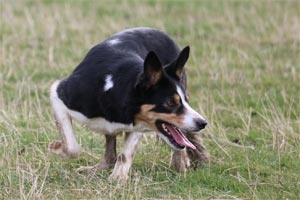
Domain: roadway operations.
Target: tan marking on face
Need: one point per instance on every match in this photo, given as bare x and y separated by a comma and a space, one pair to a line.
150, 117
172, 102
176, 98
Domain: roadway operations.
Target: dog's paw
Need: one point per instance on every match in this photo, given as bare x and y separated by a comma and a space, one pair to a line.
120, 173
100, 166
58, 148
118, 177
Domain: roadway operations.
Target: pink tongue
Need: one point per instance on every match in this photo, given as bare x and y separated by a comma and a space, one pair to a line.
179, 137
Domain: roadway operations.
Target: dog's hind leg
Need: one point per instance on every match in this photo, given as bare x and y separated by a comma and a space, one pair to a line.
68, 145
126, 156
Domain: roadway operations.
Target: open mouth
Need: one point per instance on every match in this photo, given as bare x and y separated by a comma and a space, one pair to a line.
173, 135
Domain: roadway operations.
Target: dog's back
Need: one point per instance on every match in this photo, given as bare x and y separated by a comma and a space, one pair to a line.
131, 45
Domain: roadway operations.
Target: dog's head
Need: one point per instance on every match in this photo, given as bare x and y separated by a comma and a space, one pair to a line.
163, 102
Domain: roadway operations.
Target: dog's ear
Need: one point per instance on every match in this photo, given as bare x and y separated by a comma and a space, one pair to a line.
176, 68
152, 69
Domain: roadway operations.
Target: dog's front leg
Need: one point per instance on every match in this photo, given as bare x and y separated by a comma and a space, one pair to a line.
126, 156
199, 156
110, 155
180, 160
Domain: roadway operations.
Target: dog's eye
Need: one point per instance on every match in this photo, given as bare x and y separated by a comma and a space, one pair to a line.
170, 103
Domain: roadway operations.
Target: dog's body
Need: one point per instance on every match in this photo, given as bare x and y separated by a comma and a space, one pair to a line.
131, 82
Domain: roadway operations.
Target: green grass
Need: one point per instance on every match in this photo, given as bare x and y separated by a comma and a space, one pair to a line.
244, 73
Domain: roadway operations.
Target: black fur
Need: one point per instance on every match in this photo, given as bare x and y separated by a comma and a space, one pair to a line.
83, 91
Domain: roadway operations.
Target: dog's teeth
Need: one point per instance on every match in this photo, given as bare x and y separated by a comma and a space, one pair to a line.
165, 128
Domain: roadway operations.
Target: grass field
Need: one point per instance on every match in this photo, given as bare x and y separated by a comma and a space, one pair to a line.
244, 77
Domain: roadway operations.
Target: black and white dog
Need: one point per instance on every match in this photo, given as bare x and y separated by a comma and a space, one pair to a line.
131, 82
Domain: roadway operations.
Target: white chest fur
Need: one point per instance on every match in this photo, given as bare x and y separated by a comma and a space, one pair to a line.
99, 124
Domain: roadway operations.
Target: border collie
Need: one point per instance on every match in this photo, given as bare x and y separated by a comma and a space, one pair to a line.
132, 82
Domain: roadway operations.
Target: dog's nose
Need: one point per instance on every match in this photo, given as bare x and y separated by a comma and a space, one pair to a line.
200, 123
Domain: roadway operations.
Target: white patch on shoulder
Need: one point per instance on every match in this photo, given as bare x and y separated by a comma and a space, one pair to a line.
145, 29
108, 83
114, 41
